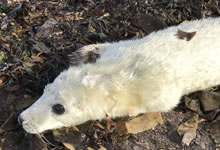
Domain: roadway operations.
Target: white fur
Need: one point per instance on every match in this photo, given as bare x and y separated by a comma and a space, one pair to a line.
130, 77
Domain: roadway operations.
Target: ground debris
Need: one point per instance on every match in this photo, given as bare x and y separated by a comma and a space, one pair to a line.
214, 129
210, 100
188, 130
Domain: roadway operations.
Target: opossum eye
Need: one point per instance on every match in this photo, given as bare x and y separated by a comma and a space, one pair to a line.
58, 109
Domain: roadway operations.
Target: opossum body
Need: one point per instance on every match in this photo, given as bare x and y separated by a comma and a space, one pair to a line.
131, 77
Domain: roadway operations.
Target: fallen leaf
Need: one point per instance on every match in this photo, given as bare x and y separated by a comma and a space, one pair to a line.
160, 144
91, 28
100, 126
102, 148
214, 130
30, 64
147, 23
189, 136
185, 35
47, 28
70, 137
2, 79
139, 124
41, 47
121, 128
35, 59
192, 104
210, 100
69, 146
188, 129
210, 115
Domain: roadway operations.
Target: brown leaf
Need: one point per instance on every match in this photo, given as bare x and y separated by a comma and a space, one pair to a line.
30, 64
69, 146
147, 23
70, 137
192, 123
41, 47
99, 125
2, 79
141, 123
192, 104
37, 59
188, 129
189, 136
121, 128
214, 130
47, 28
210, 100
102, 148
185, 35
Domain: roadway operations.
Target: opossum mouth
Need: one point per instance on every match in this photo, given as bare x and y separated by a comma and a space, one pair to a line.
30, 128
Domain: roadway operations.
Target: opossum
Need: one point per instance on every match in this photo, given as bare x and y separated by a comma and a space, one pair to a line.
135, 76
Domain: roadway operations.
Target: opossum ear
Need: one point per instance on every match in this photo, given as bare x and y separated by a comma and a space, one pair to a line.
90, 80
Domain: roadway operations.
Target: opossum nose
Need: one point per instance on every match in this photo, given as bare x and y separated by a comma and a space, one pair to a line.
20, 120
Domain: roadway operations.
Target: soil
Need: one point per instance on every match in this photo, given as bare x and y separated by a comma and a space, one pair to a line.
37, 42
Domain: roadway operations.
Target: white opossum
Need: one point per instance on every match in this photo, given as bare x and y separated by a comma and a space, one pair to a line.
150, 74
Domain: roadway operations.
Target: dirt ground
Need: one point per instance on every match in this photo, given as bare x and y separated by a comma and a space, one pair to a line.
39, 39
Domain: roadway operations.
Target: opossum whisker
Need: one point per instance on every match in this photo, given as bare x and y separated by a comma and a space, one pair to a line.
45, 140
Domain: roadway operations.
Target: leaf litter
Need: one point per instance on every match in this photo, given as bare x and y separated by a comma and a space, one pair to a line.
36, 40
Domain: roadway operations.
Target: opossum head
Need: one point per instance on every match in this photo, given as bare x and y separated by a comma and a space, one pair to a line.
60, 105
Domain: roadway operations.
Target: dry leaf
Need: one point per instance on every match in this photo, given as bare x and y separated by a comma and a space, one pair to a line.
30, 64
192, 123
47, 28
185, 35
214, 130
69, 146
100, 126
140, 124
35, 59
40, 46
89, 148
147, 23
91, 28
192, 104
70, 137
188, 129
2, 79
189, 136
121, 128
210, 100
102, 148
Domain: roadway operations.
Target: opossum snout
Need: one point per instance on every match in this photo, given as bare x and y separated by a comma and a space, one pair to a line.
20, 120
